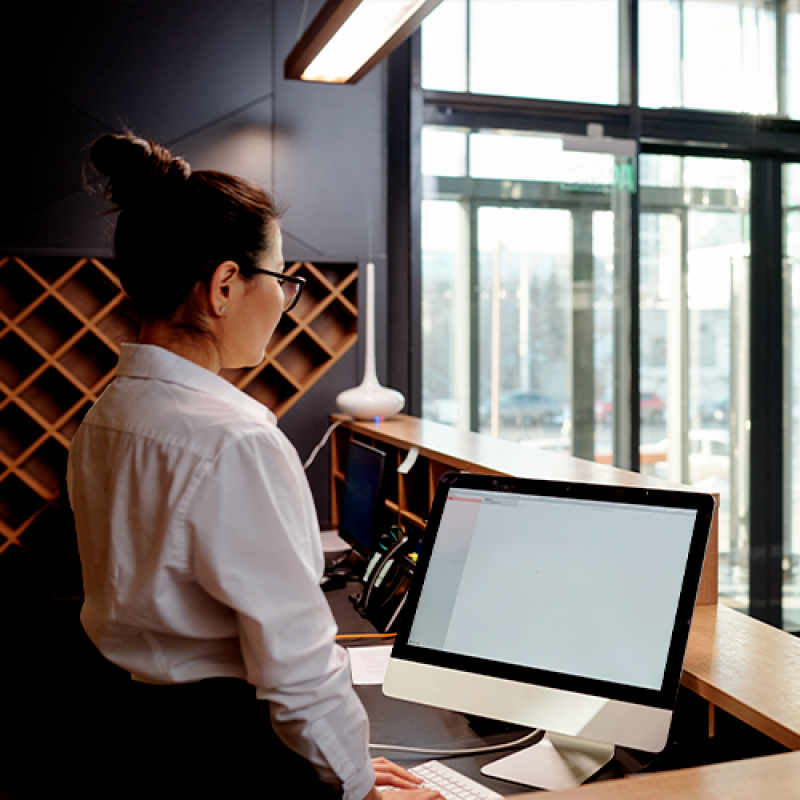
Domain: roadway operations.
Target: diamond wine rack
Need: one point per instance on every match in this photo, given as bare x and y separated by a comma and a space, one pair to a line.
62, 322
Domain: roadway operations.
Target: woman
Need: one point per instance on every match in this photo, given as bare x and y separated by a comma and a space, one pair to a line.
197, 533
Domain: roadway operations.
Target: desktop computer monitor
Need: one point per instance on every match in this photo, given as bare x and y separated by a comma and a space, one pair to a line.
559, 606
362, 497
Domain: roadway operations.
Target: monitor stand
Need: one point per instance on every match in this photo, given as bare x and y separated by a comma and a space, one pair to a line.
555, 762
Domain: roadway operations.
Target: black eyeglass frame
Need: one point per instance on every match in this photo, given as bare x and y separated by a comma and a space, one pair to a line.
282, 277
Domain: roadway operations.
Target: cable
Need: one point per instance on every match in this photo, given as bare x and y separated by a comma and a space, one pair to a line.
322, 443
379, 570
474, 751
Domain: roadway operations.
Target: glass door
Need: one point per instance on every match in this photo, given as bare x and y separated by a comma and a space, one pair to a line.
526, 330
694, 373
791, 543
545, 367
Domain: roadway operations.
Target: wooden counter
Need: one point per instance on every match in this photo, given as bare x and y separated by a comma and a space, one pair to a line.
738, 664
749, 669
766, 778
442, 448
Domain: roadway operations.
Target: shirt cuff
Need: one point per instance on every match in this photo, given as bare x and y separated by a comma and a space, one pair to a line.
358, 790
357, 779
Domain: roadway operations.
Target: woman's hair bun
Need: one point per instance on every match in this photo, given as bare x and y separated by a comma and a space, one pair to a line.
137, 170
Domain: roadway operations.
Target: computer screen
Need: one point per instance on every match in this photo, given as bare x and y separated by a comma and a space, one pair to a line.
557, 605
362, 498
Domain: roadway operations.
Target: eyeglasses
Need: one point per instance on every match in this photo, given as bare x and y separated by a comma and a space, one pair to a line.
291, 285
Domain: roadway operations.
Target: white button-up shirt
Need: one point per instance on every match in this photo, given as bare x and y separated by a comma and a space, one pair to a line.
201, 553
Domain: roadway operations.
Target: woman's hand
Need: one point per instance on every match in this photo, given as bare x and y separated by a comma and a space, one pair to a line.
389, 774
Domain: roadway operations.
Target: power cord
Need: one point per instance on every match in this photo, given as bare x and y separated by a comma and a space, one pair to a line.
322, 443
473, 751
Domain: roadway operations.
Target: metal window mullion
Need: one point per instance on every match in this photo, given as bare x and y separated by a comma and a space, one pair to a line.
788, 396
766, 394
627, 31
678, 363
474, 319
581, 335
626, 321
781, 81
404, 119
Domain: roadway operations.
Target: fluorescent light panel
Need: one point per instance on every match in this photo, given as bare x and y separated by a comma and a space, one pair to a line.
348, 37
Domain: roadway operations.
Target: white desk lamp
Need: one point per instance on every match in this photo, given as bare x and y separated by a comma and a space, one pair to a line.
370, 399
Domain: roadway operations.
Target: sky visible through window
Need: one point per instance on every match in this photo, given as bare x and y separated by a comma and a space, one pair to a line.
717, 55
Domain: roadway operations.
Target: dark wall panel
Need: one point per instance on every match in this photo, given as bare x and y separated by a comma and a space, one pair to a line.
329, 167
189, 75
206, 79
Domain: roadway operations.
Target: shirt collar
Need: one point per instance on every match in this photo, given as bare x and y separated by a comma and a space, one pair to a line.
155, 363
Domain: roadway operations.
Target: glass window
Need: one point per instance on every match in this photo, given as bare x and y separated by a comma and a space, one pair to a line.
682, 65
791, 550
444, 151
694, 262
445, 312
444, 47
528, 157
523, 319
548, 49
570, 50
525, 268
792, 57
692, 172
791, 194
524, 258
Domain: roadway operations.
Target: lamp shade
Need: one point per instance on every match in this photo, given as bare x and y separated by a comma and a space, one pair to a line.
348, 38
369, 399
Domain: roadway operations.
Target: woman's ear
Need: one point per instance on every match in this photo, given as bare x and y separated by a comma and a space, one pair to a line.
221, 287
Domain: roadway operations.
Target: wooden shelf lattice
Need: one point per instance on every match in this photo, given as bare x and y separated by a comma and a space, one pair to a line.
62, 321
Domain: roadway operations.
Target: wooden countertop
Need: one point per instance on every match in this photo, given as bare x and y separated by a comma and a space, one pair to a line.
475, 452
752, 779
749, 669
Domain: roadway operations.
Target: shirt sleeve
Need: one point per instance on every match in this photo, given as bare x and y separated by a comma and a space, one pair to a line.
254, 546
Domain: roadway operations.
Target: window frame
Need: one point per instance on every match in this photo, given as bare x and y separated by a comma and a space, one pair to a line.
766, 141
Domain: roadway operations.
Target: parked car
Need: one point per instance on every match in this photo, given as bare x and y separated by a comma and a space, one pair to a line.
524, 408
715, 412
709, 455
651, 409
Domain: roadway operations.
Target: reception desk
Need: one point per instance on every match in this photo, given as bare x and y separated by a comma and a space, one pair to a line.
735, 663
763, 778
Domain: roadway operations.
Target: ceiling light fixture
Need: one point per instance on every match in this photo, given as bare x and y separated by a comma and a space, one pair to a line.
348, 38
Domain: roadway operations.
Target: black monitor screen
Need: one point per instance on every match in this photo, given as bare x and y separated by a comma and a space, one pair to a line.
361, 497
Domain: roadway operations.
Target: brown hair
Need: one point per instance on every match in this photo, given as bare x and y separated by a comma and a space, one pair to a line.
176, 226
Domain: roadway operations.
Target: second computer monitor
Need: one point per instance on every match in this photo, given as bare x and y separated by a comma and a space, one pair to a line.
362, 497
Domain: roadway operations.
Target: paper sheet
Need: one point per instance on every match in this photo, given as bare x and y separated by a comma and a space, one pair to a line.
368, 664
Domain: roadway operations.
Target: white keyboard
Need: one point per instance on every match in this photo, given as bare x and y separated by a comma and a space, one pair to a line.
450, 784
